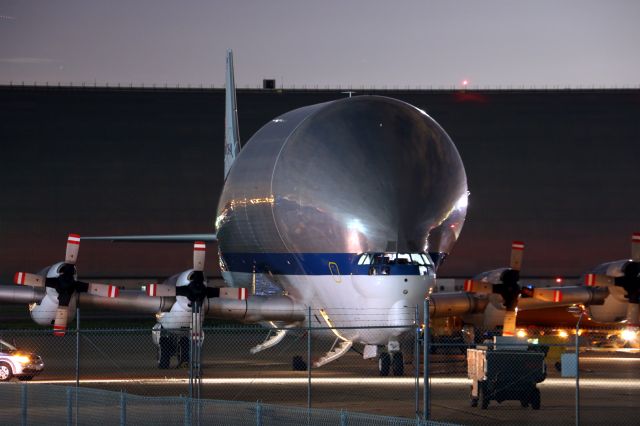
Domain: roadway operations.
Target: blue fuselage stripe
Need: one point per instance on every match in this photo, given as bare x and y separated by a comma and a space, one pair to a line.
307, 264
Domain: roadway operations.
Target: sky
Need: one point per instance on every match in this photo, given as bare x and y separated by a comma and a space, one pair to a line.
329, 43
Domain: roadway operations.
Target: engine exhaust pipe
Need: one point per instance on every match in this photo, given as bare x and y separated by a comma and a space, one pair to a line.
256, 308
455, 303
129, 301
26, 294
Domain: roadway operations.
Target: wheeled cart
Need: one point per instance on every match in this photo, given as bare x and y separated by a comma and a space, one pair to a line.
505, 374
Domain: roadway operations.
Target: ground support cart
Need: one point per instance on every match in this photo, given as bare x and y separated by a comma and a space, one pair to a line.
505, 374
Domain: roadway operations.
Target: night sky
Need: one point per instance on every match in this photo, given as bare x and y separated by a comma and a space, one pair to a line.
357, 43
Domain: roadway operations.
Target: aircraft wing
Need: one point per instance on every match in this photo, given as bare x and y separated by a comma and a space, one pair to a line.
462, 303
129, 300
175, 238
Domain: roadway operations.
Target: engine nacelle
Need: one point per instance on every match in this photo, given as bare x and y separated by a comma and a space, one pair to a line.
612, 269
494, 276
44, 312
53, 271
614, 308
180, 314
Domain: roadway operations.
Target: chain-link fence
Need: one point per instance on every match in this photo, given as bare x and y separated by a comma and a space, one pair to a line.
51, 404
534, 382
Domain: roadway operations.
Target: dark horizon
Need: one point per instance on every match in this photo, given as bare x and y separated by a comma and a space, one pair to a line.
554, 168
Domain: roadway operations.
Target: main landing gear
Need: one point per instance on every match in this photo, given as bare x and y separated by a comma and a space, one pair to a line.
391, 361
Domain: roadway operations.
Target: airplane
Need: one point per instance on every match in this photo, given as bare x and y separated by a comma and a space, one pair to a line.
348, 207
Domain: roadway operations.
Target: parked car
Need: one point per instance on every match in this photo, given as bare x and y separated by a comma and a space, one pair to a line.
16, 363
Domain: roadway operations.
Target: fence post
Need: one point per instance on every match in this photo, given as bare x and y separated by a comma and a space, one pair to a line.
77, 346
343, 418
426, 337
23, 403
258, 414
123, 408
309, 360
69, 406
187, 411
416, 360
578, 369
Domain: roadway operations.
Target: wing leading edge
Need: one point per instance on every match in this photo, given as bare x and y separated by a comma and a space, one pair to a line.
175, 238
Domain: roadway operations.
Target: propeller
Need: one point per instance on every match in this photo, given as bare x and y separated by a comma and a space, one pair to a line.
62, 278
196, 291
505, 283
625, 274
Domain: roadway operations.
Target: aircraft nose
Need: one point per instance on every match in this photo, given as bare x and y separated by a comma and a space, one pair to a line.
401, 314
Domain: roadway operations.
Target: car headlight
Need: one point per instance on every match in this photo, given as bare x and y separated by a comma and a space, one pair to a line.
629, 335
22, 359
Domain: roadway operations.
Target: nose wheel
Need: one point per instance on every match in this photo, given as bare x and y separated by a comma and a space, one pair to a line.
391, 362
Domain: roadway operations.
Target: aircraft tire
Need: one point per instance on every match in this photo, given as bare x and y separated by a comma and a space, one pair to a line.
165, 352
482, 396
384, 363
397, 364
298, 364
535, 399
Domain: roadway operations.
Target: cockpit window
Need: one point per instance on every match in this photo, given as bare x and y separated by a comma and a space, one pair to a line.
420, 259
365, 259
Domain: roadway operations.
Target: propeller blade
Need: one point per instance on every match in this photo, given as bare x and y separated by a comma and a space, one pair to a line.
474, 286
161, 290
547, 294
199, 252
509, 324
60, 323
25, 278
633, 314
598, 280
635, 247
73, 246
103, 290
517, 250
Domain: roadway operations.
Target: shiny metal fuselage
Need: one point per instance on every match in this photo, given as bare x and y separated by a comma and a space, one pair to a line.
318, 186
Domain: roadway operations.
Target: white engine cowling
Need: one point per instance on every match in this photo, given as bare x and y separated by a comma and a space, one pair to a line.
44, 312
180, 314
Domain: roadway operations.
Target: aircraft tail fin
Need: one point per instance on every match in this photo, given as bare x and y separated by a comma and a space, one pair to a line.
231, 132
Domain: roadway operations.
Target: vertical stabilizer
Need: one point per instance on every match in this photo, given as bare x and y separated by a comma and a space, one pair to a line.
231, 132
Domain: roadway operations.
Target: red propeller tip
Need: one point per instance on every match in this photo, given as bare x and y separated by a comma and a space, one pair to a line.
59, 330
517, 245
18, 278
590, 280
73, 239
199, 245
635, 237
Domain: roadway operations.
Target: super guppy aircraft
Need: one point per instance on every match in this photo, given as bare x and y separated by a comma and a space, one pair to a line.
348, 207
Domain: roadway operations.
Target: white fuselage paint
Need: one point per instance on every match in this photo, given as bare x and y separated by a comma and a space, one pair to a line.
353, 301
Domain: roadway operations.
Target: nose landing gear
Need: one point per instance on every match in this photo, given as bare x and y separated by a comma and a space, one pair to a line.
391, 361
